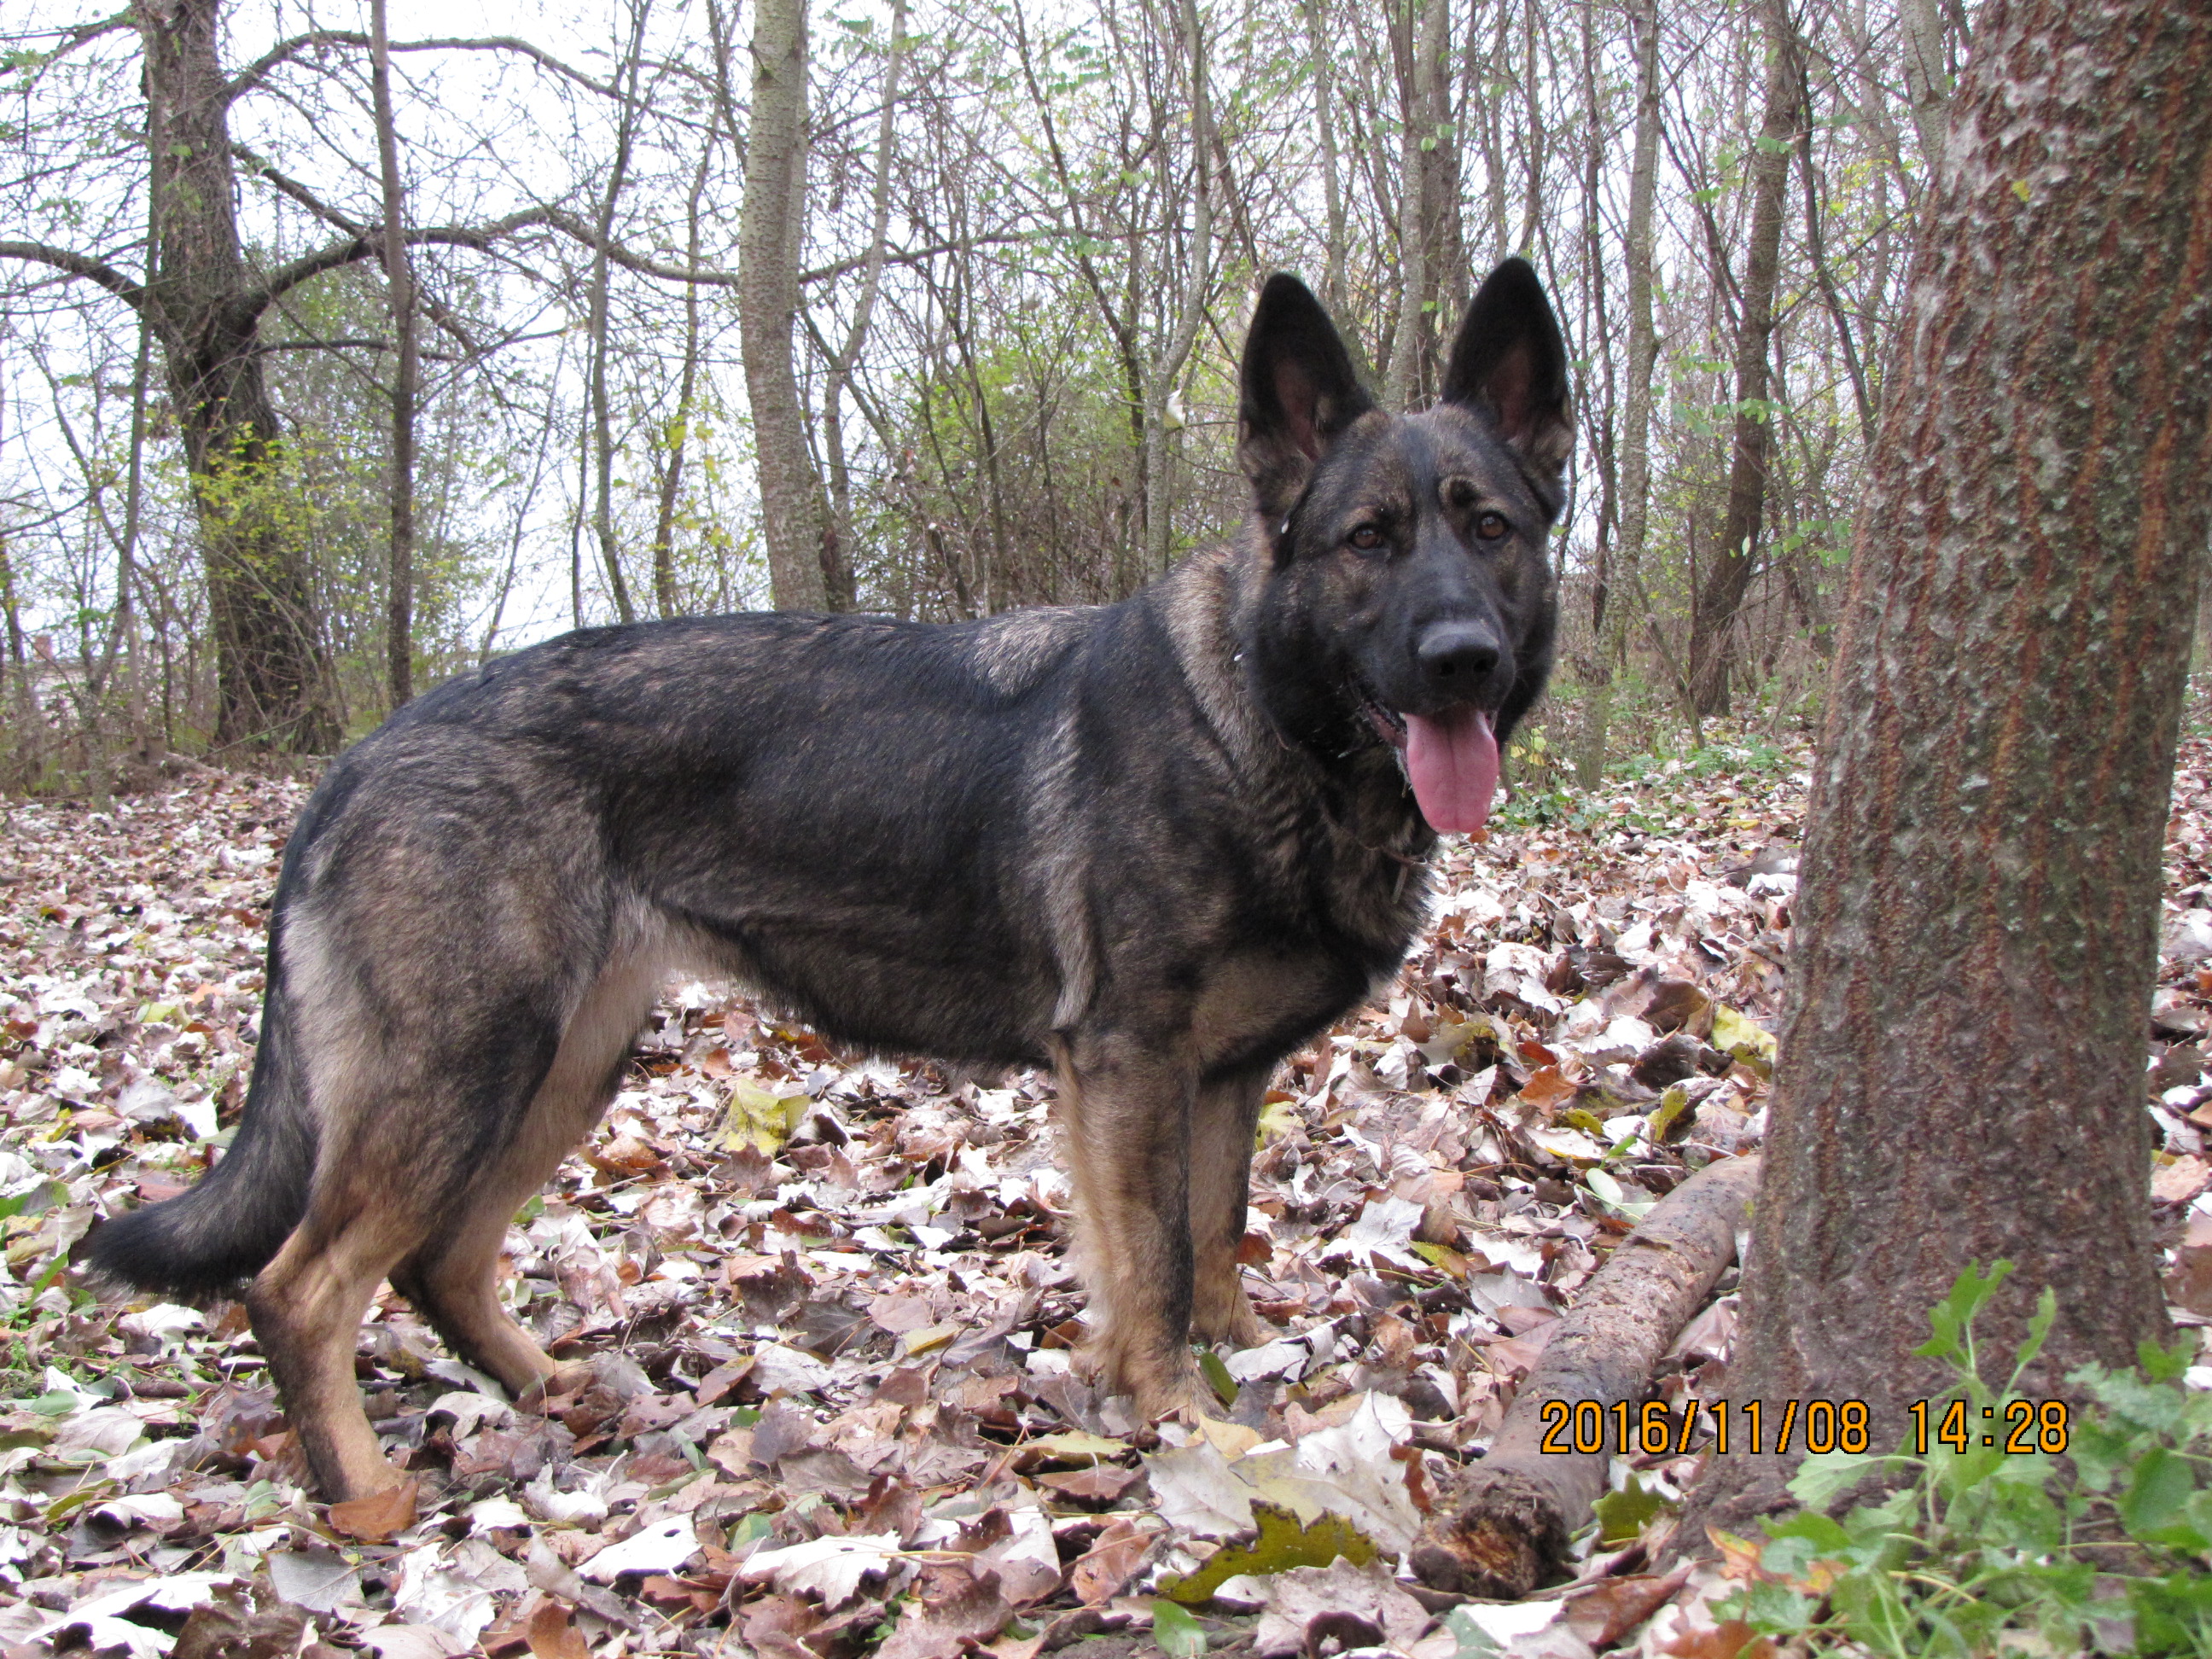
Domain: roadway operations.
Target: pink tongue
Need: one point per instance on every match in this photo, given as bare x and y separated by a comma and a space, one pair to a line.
1453, 763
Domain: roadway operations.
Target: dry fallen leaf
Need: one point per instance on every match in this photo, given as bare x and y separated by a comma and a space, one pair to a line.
376, 1517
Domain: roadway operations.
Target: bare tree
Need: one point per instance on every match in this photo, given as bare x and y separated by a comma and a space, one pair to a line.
400, 603
677, 433
1422, 37
1610, 610
1726, 580
842, 360
792, 522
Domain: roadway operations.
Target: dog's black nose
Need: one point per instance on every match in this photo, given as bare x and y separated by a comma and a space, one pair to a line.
1457, 654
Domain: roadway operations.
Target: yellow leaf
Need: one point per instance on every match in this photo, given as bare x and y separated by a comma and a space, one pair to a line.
1443, 1258
1232, 1440
1738, 1034
1672, 1104
759, 1119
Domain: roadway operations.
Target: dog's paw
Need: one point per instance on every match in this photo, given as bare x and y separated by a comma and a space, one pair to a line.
1233, 1322
1158, 1384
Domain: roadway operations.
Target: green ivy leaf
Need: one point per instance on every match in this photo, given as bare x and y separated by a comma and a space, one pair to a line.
1176, 1633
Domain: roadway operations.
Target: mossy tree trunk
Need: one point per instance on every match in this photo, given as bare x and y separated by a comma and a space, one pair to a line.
272, 680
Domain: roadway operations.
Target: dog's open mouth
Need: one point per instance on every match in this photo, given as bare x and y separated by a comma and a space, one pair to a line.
1451, 760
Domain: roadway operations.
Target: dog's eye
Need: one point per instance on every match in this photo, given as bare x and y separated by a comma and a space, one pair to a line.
1491, 526
1366, 539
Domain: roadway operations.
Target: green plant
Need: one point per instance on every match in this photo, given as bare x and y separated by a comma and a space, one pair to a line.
1979, 1550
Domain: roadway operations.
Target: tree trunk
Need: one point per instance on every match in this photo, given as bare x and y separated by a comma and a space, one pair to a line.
1611, 621
1322, 61
1962, 1075
1712, 623
768, 307
1424, 134
1927, 81
678, 431
399, 611
1167, 368
848, 352
271, 678
601, 415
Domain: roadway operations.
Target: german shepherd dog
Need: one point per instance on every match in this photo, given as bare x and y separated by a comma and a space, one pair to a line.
1155, 845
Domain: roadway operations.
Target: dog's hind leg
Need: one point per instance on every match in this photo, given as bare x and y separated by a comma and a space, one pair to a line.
1226, 1118
307, 1307
1125, 1118
453, 1277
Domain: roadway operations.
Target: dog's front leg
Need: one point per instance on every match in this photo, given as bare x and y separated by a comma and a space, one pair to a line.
1125, 1120
1225, 1120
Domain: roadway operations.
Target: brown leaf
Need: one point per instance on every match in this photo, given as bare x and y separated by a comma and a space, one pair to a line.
896, 1312
723, 1378
906, 1385
1549, 1088
551, 1636
228, 1625
2179, 1181
1100, 1484
1352, 1606
1113, 1559
1612, 1608
954, 1605
1732, 1640
375, 1518
777, 1620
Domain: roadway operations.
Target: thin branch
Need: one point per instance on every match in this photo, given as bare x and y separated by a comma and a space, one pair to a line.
255, 73
362, 344
78, 34
914, 256
299, 192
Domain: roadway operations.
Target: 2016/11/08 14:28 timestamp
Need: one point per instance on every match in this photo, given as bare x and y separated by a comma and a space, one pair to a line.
2016, 1428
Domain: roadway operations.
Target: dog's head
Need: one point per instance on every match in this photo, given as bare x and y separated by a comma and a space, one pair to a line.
1409, 598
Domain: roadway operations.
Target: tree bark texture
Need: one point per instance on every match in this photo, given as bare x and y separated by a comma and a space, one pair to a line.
791, 504
271, 683
1961, 1073
399, 610
1712, 623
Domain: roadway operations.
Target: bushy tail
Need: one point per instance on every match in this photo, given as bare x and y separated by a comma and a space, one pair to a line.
225, 1230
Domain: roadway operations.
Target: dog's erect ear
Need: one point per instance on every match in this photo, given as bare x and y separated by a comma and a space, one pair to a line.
1298, 391
1510, 363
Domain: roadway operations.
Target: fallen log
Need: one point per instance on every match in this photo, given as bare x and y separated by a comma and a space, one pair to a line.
1520, 1505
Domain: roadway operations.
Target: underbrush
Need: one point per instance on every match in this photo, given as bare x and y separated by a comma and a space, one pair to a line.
2098, 1540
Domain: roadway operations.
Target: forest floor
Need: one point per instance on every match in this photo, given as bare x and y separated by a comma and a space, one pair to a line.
817, 1307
